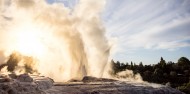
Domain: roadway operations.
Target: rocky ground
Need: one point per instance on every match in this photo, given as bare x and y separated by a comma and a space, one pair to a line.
25, 84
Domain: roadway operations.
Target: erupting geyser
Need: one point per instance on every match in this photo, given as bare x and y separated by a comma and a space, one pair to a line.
65, 43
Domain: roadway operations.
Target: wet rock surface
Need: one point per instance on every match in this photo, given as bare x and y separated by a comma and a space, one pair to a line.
33, 84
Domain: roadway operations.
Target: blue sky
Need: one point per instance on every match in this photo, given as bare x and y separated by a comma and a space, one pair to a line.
145, 30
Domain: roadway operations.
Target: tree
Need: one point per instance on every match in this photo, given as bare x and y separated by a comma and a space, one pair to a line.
183, 61
140, 67
158, 75
183, 64
131, 63
173, 74
162, 63
131, 67
147, 75
176, 74
158, 72
185, 88
140, 64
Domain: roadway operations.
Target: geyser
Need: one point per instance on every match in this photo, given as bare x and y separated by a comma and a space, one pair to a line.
66, 43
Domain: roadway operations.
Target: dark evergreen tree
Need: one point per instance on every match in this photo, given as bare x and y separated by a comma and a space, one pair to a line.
183, 61
162, 63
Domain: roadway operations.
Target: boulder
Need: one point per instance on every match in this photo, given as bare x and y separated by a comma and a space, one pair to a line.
24, 84
94, 79
24, 78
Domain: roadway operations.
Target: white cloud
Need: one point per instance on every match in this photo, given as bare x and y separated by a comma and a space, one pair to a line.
148, 24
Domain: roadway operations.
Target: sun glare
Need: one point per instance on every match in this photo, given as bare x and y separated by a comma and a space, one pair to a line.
29, 41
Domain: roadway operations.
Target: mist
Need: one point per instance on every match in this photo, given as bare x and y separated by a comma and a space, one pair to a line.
66, 44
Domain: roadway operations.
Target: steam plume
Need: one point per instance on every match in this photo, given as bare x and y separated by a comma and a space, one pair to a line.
66, 43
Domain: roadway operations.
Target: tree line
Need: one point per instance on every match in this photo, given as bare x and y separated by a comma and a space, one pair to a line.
176, 75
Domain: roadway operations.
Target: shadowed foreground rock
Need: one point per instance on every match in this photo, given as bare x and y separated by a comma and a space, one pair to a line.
25, 84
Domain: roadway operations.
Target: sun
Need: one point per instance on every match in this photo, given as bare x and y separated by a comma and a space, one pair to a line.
29, 40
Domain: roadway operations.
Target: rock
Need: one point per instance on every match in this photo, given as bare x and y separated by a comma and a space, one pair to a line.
28, 84
24, 78
2, 80
168, 84
12, 91
94, 79
109, 86
44, 84
12, 75
5, 87
2, 92
24, 84
89, 79
74, 80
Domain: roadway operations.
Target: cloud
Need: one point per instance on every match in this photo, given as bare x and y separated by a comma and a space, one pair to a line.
148, 24
157, 36
68, 3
